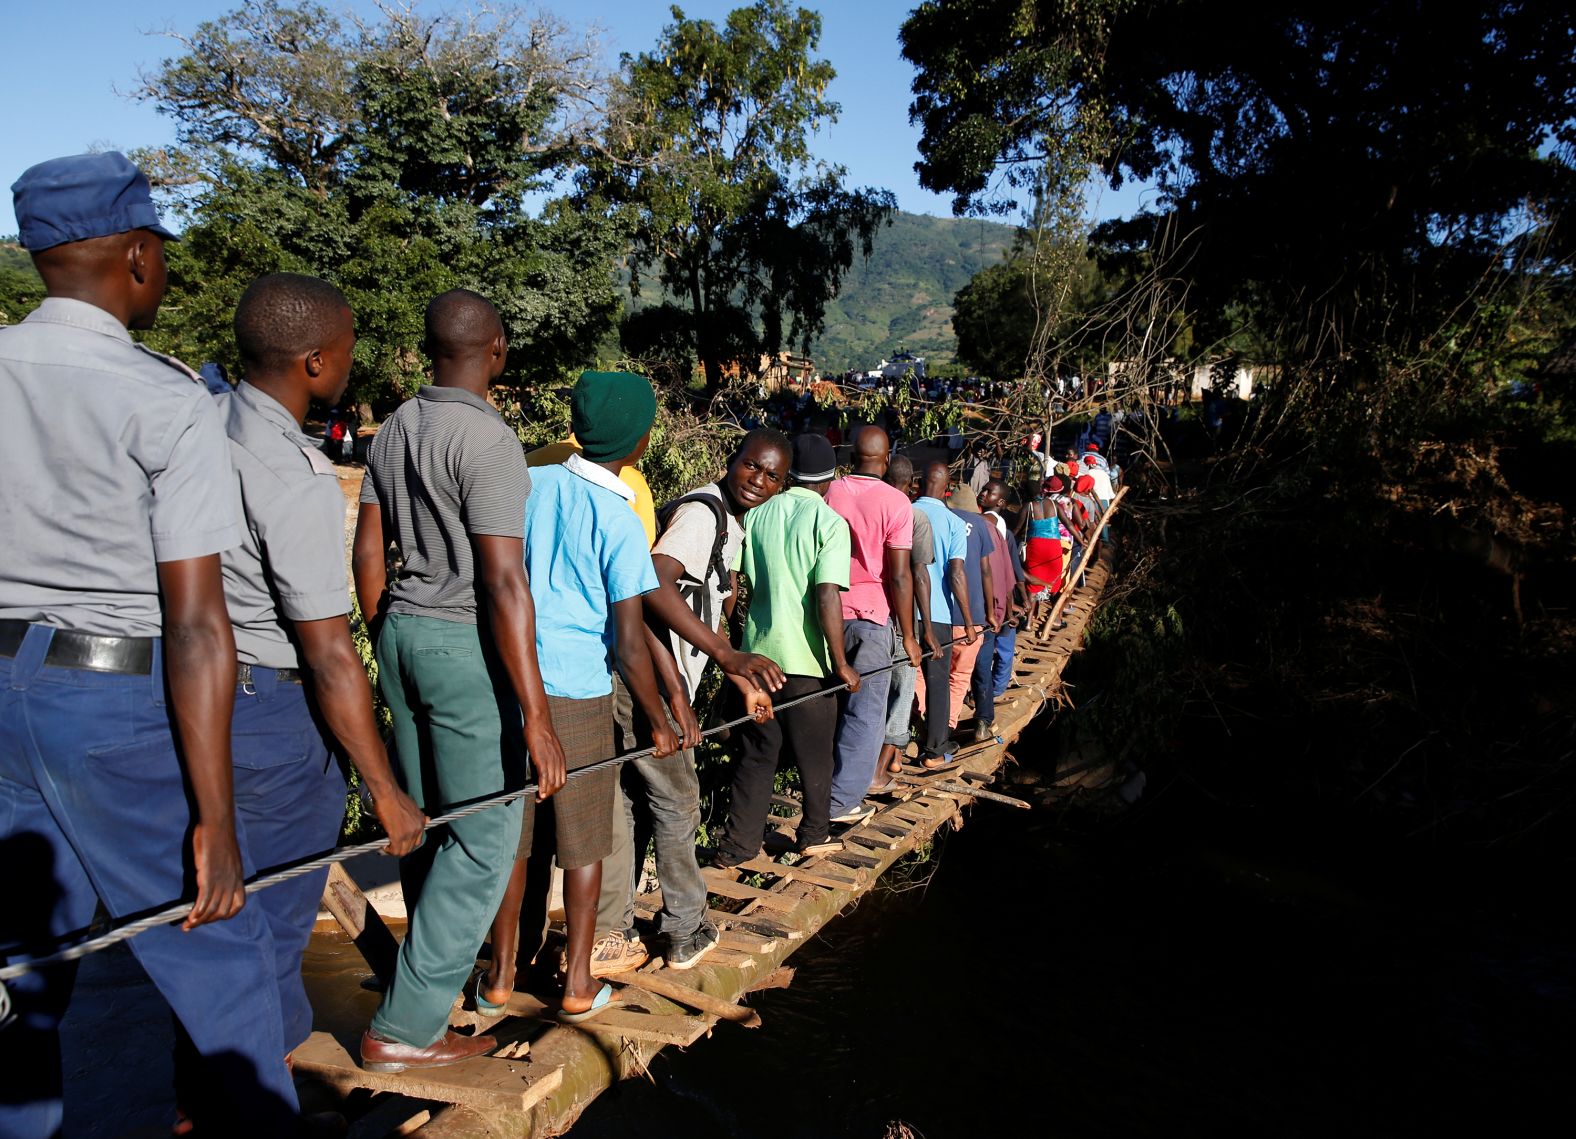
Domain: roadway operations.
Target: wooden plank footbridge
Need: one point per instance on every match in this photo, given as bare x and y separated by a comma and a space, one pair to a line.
544, 1074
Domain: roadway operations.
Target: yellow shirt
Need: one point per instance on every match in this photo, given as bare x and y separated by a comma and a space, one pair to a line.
645, 508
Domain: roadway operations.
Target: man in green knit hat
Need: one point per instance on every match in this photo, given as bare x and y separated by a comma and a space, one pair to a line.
589, 565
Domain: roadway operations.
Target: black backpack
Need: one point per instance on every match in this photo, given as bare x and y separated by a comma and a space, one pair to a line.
720, 513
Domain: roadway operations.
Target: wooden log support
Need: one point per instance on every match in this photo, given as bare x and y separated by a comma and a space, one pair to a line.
690, 997
361, 923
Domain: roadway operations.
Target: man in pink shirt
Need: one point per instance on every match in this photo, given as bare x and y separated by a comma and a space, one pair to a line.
881, 524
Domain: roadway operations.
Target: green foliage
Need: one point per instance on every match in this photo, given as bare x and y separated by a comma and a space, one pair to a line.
21, 288
393, 161
706, 152
1370, 200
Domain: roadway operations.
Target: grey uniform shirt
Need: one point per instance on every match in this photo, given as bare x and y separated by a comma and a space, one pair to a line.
688, 539
445, 466
112, 459
291, 561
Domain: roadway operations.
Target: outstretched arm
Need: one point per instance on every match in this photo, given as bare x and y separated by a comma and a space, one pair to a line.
669, 607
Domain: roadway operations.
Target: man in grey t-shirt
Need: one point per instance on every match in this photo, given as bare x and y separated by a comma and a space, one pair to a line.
696, 593
446, 481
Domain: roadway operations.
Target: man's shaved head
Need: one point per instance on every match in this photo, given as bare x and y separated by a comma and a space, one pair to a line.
460, 324
900, 472
283, 316
871, 446
938, 477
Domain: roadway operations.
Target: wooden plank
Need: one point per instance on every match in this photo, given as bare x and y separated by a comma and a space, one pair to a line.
858, 861
628, 1024
875, 840
745, 942
720, 881
801, 874
485, 1083
391, 1114
690, 997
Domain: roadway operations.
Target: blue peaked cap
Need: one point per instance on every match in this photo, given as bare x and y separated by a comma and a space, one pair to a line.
82, 196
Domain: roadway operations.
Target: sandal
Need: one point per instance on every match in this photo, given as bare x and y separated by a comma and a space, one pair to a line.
603, 1000
485, 1007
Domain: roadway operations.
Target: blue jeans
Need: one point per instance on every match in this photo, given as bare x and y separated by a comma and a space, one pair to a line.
980, 683
862, 729
900, 699
93, 809
1001, 669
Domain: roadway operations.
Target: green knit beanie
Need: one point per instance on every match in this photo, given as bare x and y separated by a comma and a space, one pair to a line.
610, 412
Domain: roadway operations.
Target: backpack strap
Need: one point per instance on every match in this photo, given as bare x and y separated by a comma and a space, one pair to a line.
720, 514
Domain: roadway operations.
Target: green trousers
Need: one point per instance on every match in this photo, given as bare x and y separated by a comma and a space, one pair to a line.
458, 730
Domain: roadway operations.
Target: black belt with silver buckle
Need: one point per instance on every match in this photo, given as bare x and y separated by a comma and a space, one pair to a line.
132, 656
243, 674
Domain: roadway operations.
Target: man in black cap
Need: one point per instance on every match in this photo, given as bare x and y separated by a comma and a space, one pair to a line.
115, 646
796, 554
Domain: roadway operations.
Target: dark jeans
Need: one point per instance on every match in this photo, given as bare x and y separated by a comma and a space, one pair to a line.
809, 731
938, 705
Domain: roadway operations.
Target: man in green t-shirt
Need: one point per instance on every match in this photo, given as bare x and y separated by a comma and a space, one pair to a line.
796, 555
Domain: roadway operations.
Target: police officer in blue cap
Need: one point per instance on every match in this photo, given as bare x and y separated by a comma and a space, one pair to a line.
117, 660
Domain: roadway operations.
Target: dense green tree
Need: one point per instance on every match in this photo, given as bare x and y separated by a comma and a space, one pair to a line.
1362, 181
393, 158
20, 287
706, 150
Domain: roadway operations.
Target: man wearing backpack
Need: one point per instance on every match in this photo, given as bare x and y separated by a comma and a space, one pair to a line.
699, 537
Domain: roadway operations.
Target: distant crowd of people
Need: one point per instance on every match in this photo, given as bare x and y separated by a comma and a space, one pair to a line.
178, 670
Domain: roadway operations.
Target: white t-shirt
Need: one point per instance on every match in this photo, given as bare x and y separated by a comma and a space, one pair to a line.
688, 539
1102, 483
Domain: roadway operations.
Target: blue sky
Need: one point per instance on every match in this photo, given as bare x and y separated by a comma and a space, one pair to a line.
68, 62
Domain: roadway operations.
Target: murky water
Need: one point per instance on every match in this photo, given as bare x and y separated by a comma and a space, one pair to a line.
1178, 976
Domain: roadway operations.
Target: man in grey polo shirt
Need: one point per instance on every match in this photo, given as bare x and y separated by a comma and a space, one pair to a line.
114, 643
456, 644
289, 602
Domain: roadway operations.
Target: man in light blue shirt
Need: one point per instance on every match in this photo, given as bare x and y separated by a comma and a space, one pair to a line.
588, 564
947, 589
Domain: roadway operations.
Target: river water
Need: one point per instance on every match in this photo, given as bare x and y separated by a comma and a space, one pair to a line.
1173, 971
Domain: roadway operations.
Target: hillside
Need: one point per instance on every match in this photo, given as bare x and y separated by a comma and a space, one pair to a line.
902, 297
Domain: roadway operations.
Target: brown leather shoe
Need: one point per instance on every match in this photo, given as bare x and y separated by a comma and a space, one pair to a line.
382, 1055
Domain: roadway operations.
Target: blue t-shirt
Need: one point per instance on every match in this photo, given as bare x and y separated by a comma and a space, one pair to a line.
978, 546
585, 550
951, 538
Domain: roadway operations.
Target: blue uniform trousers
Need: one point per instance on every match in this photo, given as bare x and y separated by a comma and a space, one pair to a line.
93, 808
980, 683
290, 796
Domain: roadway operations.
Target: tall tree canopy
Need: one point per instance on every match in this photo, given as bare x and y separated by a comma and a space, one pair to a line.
1348, 172
392, 157
706, 151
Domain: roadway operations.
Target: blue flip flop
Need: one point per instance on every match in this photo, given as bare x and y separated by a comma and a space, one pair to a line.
484, 1006
604, 999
